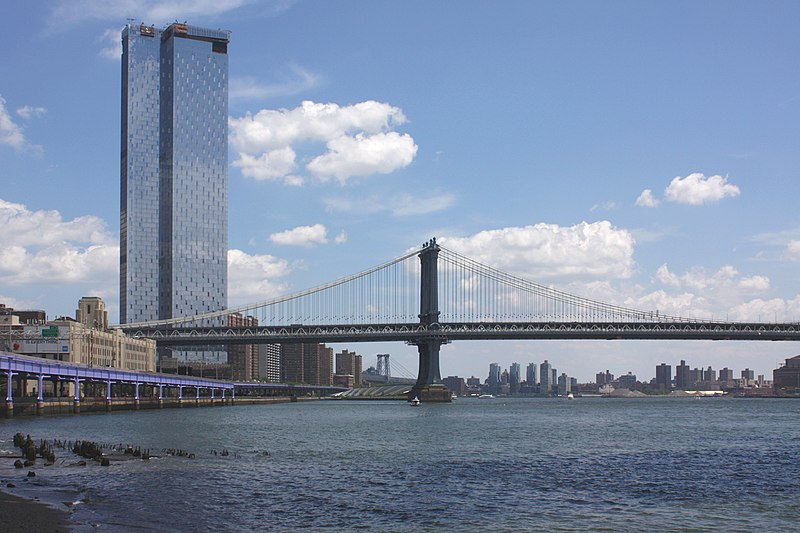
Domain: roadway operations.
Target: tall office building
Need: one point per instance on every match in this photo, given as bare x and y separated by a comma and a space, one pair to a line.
546, 380
683, 376
530, 374
664, 377
514, 377
494, 374
173, 172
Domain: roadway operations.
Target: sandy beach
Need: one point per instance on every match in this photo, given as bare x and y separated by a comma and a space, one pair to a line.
22, 515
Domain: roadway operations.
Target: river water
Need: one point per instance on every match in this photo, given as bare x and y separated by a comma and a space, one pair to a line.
498, 464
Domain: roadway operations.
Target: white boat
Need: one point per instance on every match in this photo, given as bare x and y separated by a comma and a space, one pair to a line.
570, 396
415, 402
485, 396
453, 396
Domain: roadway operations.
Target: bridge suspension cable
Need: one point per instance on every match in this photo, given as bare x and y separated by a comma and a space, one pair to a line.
470, 291
386, 294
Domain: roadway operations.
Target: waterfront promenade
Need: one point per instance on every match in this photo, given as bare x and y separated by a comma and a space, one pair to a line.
75, 388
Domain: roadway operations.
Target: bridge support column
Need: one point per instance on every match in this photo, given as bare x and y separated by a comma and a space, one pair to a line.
76, 404
40, 395
137, 404
9, 395
429, 386
160, 395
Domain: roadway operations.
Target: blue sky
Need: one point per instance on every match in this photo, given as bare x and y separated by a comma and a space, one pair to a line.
641, 153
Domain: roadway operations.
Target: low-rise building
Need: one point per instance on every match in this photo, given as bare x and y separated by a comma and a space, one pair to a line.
72, 342
788, 375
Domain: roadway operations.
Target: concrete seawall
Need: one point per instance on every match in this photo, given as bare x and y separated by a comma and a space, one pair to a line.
66, 406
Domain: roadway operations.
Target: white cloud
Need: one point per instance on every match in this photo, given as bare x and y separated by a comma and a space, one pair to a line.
69, 12
256, 277
113, 44
646, 199
793, 249
248, 88
358, 139
700, 293
399, 205
588, 250
305, 236
666, 277
28, 112
754, 283
696, 189
274, 165
341, 238
773, 310
362, 155
604, 206
40, 247
11, 133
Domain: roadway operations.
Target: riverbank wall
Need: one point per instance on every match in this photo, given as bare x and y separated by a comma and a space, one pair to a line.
67, 406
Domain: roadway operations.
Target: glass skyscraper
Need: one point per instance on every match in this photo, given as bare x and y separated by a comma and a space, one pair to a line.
174, 172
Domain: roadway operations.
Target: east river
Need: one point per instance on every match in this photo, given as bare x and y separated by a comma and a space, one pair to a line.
496, 464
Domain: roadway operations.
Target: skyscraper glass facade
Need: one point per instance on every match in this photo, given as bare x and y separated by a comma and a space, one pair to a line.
139, 173
193, 147
174, 172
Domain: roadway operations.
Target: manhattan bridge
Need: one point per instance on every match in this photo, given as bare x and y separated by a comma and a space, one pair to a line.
432, 296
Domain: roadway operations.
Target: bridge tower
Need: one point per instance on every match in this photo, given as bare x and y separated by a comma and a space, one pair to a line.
429, 386
383, 366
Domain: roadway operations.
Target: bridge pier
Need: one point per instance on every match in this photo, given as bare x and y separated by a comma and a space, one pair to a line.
429, 386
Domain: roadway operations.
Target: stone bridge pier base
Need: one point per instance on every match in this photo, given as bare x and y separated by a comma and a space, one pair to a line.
429, 386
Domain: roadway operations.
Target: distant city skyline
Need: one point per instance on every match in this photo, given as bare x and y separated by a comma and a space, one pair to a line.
631, 153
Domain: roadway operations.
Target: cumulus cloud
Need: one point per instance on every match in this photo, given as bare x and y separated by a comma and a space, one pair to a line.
399, 205
696, 189
273, 165
774, 309
305, 236
361, 155
646, 199
257, 277
699, 292
358, 140
588, 250
41, 247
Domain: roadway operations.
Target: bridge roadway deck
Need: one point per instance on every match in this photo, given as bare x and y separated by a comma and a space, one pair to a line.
413, 332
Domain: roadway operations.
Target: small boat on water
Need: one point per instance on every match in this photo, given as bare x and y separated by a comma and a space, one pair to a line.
415, 402
485, 396
453, 396
570, 396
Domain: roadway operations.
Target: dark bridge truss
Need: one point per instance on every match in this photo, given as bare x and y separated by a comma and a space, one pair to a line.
411, 332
